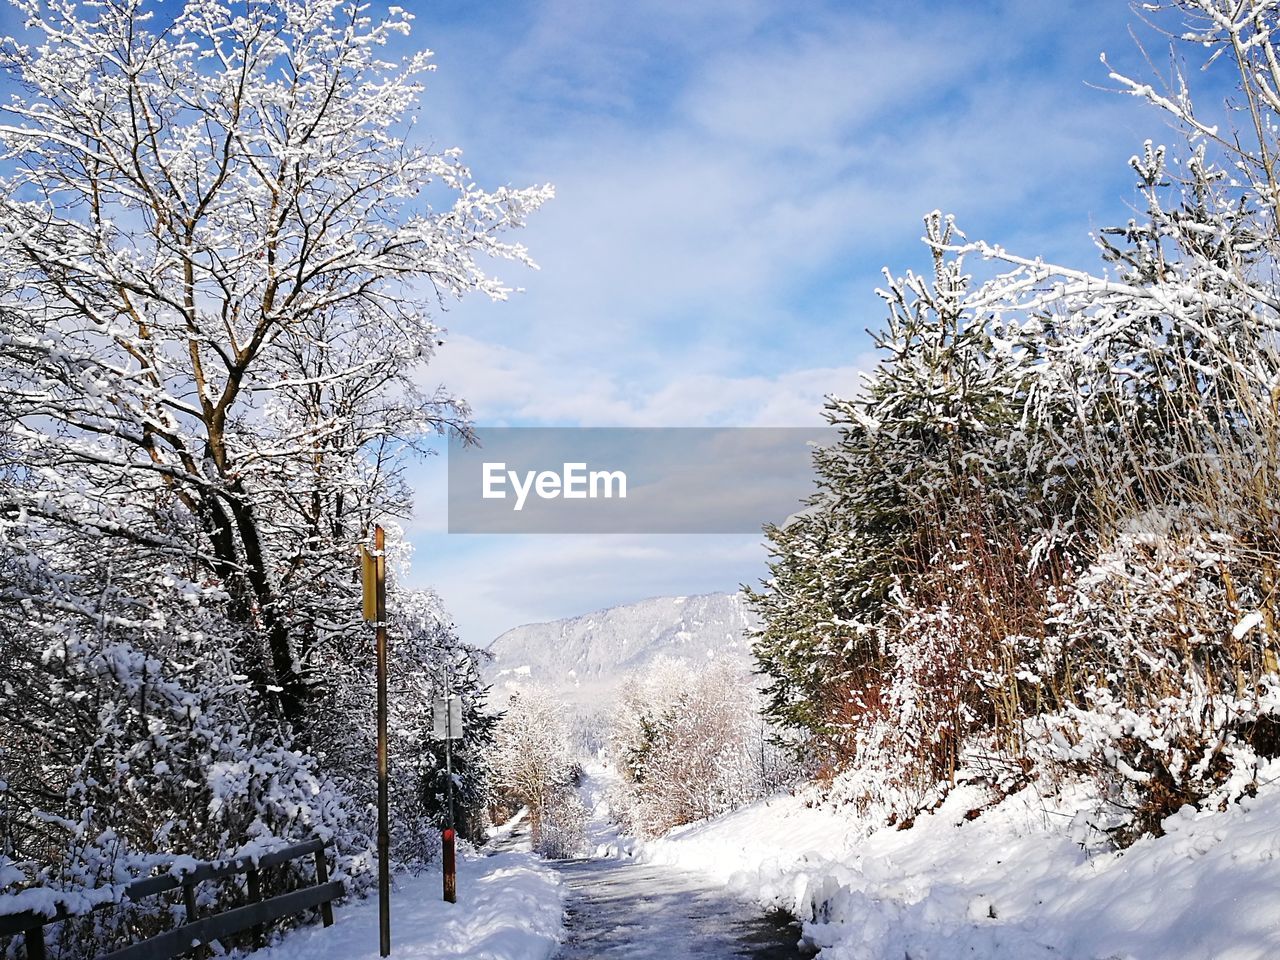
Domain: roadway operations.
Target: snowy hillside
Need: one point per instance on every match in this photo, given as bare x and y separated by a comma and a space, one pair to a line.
585, 659
1025, 879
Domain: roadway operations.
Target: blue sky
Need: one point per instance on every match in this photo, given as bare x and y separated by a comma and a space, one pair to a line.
731, 178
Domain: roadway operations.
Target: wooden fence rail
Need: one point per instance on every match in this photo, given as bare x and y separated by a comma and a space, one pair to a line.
198, 931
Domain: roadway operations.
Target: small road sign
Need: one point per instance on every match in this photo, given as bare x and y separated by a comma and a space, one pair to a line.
446, 718
446, 725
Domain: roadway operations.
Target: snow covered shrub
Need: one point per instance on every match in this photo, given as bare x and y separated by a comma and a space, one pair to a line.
1170, 634
562, 825
118, 752
532, 759
960, 641
690, 744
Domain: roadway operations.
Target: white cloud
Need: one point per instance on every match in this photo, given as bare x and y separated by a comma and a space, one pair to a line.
813, 90
506, 386
686, 243
731, 176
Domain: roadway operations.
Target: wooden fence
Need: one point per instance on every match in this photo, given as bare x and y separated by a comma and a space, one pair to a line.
197, 931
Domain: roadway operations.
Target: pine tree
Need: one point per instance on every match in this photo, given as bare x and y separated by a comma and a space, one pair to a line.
930, 446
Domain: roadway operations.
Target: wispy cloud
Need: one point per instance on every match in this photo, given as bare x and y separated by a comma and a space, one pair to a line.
727, 194
507, 385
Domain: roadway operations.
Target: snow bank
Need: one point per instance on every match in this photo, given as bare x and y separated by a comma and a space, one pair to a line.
510, 907
1024, 880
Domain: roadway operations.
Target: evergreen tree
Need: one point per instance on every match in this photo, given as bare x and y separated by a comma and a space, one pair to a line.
931, 446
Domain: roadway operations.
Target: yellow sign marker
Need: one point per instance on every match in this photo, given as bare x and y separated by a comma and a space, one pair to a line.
369, 570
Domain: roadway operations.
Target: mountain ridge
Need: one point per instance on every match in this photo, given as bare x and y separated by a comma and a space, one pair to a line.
584, 659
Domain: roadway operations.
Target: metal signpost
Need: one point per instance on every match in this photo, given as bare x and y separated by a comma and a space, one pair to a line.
446, 725
373, 579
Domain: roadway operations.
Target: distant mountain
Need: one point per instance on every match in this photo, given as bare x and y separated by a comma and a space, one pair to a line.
585, 659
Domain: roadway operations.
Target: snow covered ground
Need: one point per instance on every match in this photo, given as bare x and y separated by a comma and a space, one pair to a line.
1022, 881
1025, 880
509, 907
604, 837
620, 908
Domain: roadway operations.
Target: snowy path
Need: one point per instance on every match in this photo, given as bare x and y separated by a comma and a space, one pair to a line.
628, 910
508, 908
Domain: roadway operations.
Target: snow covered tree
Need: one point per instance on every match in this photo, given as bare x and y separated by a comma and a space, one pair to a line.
534, 766
428, 662
222, 248
931, 449
690, 743
220, 254
1049, 533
